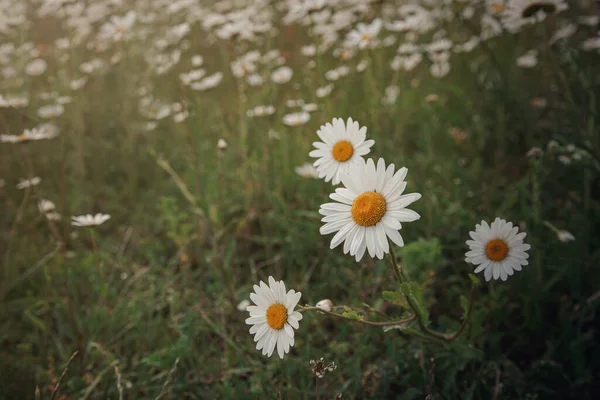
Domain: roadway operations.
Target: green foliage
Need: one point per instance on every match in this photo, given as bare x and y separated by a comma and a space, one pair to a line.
420, 257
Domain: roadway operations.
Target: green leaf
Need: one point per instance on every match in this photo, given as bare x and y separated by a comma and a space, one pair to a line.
464, 303
475, 280
394, 297
405, 289
351, 314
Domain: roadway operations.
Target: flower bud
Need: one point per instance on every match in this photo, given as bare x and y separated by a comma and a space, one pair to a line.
325, 305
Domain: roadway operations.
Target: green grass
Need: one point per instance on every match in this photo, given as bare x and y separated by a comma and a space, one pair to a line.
192, 229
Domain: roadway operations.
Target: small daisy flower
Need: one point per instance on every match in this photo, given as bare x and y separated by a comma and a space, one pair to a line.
27, 183
90, 220
296, 119
307, 170
369, 209
565, 236
273, 318
325, 304
46, 206
497, 249
342, 146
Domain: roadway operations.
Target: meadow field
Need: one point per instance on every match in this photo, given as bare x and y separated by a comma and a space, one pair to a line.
300, 199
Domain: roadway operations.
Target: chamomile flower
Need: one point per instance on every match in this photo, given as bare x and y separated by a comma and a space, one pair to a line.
296, 119
369, 209
343, 145
90, 220
497, 249
273, 318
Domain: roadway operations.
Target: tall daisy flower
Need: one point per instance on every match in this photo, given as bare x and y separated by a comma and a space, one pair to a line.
342, 146
273, 318
498, 250
369, 209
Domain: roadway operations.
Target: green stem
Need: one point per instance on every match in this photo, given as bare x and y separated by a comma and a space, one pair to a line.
362, 321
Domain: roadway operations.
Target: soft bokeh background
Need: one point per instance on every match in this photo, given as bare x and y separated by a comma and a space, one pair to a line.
491, 105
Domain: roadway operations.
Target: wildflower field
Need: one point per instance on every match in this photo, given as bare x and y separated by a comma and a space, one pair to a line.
299, 199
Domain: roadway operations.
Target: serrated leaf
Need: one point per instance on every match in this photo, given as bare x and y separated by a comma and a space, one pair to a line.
464, 303
394, 297
351, 314
475, 280
405, 289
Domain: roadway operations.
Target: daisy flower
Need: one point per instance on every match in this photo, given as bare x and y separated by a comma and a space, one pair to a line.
498, 250
296, 119
342, 146
273, 318
369, 209
90, 220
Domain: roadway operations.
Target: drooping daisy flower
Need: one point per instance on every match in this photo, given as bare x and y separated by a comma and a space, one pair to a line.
498, 250
90, 220
36, 67
273, 318
342, 146
369, 209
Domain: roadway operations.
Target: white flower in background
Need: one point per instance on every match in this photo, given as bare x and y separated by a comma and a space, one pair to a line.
282, 75
221, 144
440, 69
307, 170
364, 35
296, 119
565, 236
324, 91
46, 206
207, 83
118, 26
36, 67
498, 250
51, 111
310, 107
309, 50
589, 20
255, 79
53, 216
193, 75
181, 116
337, 73
242, 305
44, 131
27, 183
361, 66
325, 305
90, 220
197, 60
273, 318
528, 60
154, 109
261, 111
564, 32
294, 103
391, 95
369, 209
343, 145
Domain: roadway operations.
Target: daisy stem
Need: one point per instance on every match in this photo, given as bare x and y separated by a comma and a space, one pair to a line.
415, 307
362, 321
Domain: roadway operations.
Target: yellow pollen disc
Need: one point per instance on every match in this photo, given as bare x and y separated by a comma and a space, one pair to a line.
342, 151
368, 208
365, 36
276, 316
21, 137
496, 250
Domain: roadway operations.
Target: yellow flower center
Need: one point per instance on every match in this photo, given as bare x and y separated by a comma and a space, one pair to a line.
365, 36
368, 208
342, 151
276, 316
496, 250
535, 7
